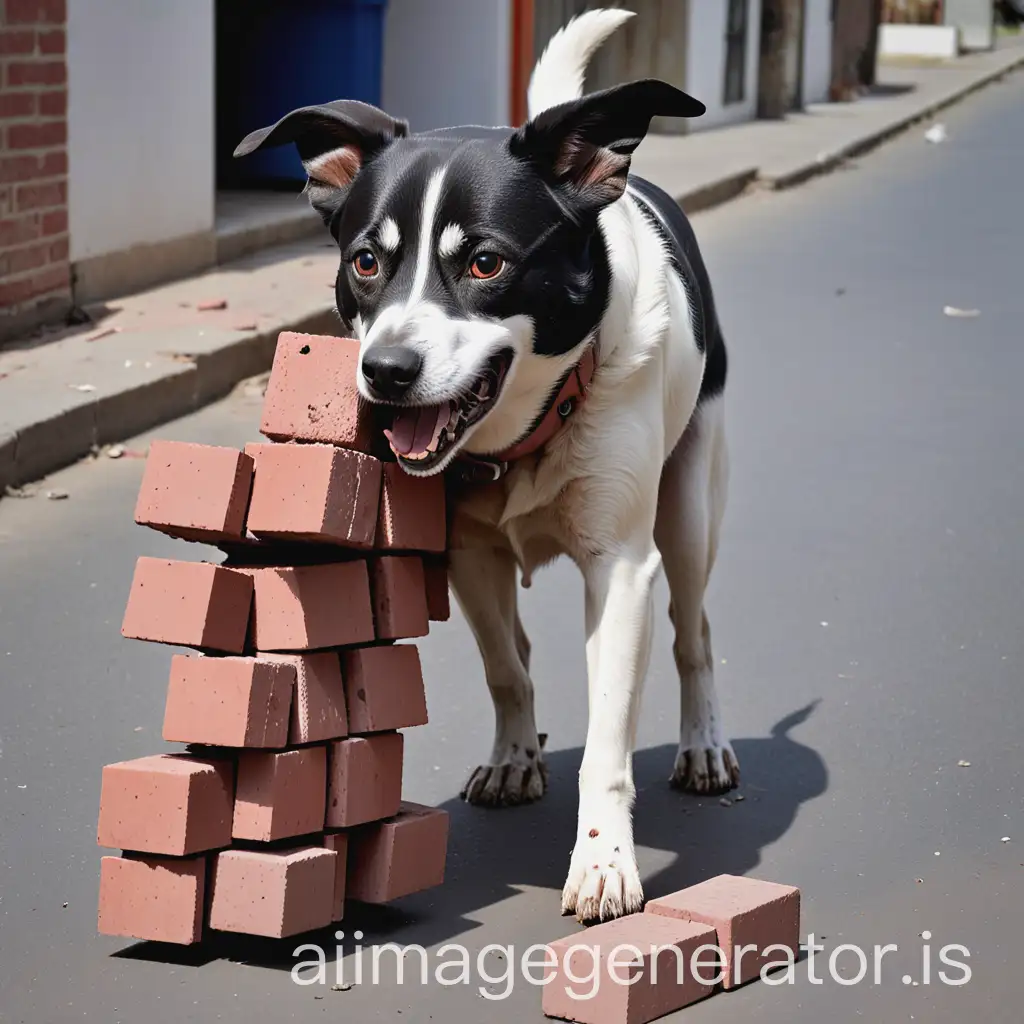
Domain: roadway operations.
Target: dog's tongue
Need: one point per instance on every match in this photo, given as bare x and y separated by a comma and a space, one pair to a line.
414, 430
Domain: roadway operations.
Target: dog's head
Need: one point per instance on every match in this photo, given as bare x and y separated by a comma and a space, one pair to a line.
472, 269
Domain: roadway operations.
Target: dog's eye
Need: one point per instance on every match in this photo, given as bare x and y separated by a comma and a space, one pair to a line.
365, 264
486, 265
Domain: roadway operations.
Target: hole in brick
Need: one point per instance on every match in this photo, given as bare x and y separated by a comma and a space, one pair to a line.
593, 833
304, 351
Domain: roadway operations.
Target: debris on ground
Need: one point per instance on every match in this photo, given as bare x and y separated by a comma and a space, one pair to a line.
115, 451
341, 988
103, 332
954, 311
246, 325
211, 304
725, 802
963, 764
936, 134
57, 495
82, 387
20, 492
1005, 839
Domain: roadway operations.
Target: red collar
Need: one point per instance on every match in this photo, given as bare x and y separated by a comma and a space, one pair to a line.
571, 394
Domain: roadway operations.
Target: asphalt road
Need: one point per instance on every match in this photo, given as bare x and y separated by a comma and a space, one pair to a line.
866, 610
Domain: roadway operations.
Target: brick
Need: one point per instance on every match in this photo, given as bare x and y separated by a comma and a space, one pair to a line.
228, 702
306, 607
743, 911
152, 898
189, 604
314, 492
36, 72
398, 857
29, 12
52, 164
364, 781
26, 258
40, 282
54, 223
17, 104
318, 708
275, 893
312, 394
279, 795
32, 197
53, 103
17, 42
59, 249
383, 688
53, 41
18, 230
338, 842
412, 512
435, 578
195, 491
636, 970
399, 597
168, 804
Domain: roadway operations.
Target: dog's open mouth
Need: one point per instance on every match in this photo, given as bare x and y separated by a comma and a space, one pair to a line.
422, 436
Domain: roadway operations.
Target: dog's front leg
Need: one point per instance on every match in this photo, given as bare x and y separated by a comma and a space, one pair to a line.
604, 881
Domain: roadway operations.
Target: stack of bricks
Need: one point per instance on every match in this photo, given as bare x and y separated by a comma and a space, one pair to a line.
288, 797
35, 282
719, 934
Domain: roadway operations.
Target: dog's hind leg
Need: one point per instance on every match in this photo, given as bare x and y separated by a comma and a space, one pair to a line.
691, 502
483, 580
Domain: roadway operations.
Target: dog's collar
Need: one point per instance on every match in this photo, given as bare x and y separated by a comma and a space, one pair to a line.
571, 393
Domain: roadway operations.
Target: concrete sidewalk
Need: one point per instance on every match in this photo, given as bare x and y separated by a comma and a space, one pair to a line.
157, 355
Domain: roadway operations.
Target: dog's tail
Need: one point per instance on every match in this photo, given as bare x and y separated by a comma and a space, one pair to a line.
558, 75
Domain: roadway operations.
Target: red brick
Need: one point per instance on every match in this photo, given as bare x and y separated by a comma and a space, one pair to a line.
318, 709
17, 42
18, 230
641, 970
273, 892
435, 576
34, 197
364, 782
168, 804
312, 394
314, 492
279, 795
36, 135
311, 606
399, 597
17, 104
195, 491
228, 702
190, 604
744, 912
412, 511
52, 42
28, 258
398, 857
54, 103
53, 164
29, 12
37, 283
383, 688
59, 250
36, 72
18, 168
152, 898
338, 842
54, 223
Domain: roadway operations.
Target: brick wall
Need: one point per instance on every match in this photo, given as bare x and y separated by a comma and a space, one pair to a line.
34, 269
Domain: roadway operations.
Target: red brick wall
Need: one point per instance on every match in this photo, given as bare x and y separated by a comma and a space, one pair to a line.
34, 269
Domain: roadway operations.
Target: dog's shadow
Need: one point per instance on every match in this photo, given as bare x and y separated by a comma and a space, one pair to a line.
492, 853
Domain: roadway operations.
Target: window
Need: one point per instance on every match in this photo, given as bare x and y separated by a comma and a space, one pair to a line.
736, 51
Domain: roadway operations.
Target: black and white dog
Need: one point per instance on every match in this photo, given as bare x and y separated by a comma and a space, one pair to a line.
527, 308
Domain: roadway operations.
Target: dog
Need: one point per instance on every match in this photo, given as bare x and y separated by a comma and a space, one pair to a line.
539, 325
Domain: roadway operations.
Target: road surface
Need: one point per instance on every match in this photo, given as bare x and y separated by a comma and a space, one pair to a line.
866, 613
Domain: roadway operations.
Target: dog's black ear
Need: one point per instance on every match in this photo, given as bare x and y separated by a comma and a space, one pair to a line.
584, 146
334, 140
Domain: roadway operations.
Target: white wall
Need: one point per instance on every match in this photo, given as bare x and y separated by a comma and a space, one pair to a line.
447, 62
817, 50
705, 63
140, 122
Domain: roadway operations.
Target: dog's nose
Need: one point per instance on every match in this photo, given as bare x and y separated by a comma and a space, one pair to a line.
390, 370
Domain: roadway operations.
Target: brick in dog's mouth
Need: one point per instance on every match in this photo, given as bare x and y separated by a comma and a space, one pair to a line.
424, 436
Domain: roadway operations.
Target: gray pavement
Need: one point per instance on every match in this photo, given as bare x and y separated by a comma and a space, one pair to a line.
865, 611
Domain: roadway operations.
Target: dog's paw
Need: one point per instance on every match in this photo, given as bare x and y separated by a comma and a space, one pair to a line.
710, 769
604, 881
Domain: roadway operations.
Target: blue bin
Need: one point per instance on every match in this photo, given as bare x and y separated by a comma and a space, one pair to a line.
297, 53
